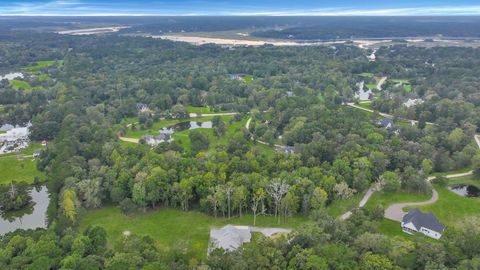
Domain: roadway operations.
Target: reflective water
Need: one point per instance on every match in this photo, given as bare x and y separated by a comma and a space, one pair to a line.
185, 126
30, 217
465, 190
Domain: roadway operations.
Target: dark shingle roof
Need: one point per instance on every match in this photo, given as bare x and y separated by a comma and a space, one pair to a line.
426, 220
384, 122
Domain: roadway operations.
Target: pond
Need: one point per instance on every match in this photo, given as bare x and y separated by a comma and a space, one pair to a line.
185, 126
30, 217
465, 190
11, 76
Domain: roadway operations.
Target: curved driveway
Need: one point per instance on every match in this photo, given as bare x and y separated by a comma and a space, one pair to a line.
395, 211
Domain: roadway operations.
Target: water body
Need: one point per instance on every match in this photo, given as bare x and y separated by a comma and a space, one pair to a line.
31, 217
186, 126
11, 76
465, 190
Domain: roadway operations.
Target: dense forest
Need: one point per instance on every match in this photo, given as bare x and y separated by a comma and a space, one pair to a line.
296, 98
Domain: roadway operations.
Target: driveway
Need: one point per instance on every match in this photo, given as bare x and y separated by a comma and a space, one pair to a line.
395, 211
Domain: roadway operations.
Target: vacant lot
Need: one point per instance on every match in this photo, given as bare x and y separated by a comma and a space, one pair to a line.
170, 227
18, 167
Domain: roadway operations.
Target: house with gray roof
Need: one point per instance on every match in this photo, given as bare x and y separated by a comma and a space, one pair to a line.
426, 223
231, 237
385, 123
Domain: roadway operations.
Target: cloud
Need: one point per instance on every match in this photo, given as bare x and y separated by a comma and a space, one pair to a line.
199, 8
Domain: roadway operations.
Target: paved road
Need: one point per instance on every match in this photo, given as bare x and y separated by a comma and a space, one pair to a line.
395, 211
361, 204
386, 114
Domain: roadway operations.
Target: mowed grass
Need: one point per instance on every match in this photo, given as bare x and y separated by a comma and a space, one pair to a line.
154, 130
202, 110
339, 207
20, 85
171, 226
43, 64
248, 78
451, 208
386, 199
15, 166
366, 74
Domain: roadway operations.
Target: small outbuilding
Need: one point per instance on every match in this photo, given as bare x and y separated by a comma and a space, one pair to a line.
426, 223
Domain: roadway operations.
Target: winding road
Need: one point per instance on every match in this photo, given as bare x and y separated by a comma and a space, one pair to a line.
395, 211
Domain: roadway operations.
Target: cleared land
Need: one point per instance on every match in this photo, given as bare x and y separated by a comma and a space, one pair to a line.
171, 227
19, 166
452, 208
20, 85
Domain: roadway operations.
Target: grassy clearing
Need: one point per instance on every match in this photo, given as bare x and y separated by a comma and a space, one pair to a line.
248, 78
42, 64
371, 86
202, 110
407, 87
364, 105
452, 208
154, 130
15, 166
366, 74
170, 226
463, 170
467, 180
20, 85
387, 199
43, 78
400, 81
338, 207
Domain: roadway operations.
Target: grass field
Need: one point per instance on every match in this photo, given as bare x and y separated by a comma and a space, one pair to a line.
14, 166
407, 87
170, 226
248, 78
366, 105
42, 64
338, 207
386, 199
371, 86
20, 85
366, 74
154, 130
43, 77
452, 208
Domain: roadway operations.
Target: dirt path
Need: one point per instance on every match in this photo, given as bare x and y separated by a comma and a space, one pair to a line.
380, 83
361, 204
125, 139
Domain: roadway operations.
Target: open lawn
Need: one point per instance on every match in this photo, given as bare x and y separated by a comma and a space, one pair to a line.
371, 86
15, 166
20, 85
338, 207
387, 199
407, 87
248, 78
366, 105
42, 64
43, 78
171, 226
366, 74
451, 208
467, 180
400, 81
154, 130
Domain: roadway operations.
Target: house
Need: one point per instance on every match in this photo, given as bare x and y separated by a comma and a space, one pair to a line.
37, 153
156, 140
231, 237
289, 149
385, 123
426, 223
142, 107
44, 143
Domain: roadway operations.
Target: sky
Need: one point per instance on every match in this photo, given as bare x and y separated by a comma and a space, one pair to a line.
239, 8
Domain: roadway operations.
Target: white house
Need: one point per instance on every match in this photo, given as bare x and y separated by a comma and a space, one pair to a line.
426, 223
156, 140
